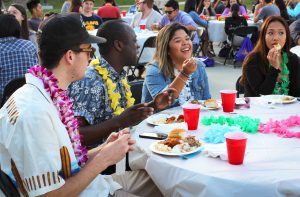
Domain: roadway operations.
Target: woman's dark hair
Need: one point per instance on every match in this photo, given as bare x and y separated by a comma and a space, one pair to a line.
201, 6
31, 4
235, 8
74, 4
261, 48
0, 6
24, 24
161, 55
11, 30
190, 5
172, 3
228, 3
283, 11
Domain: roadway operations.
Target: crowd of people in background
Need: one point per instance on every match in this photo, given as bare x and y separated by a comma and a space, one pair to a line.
86, 101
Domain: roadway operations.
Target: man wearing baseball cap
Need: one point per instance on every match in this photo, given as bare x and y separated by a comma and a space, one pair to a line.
40, 148
91, 20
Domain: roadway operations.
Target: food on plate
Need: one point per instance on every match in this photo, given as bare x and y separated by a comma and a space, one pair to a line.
177, 134
192, 141
287, 98
176, 145
211, 103
195, 102
277, 46
173, 119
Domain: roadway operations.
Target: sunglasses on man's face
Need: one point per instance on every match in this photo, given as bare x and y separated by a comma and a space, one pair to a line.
169, 11
90, 50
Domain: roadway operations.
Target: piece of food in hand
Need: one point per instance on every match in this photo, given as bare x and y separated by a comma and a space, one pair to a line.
211, 103
177, 134
277, 46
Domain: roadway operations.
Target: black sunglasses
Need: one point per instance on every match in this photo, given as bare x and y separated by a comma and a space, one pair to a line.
169, 12
90, 50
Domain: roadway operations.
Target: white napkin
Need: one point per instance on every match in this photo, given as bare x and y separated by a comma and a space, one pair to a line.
216, 150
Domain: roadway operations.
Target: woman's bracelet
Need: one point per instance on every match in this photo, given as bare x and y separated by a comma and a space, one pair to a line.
183, 73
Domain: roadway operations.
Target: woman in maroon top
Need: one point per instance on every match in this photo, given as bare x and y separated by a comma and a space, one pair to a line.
76, 6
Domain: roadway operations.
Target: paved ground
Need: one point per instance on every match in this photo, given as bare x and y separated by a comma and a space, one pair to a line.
222, 76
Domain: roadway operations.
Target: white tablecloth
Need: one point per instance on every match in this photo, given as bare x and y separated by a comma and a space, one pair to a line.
296, 50
216, 31
141, 37
271, 167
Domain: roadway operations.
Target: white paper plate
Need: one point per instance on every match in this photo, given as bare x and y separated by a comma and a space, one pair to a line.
279, 99
202, 107
152, 148
158, 119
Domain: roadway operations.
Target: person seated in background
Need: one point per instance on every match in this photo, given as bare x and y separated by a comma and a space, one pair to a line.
133, 8
174, 67
91, 21
242, 10
190, 8
269, 9
257, 8
108, 11
295, 32
146, 15
271, 68
283, 11
174, 15
16, 55
234, 21
65, 8
20, 13
102, 100
219, 6
294, 9
40, 143
36, 9
205, 8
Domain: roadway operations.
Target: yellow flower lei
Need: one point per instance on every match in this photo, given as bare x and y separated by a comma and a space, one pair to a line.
114, 96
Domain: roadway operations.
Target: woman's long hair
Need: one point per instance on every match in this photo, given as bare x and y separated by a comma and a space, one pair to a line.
228, 3
235, 8
261, 48
161, 55
24, 24
74, 4
201, 6
190, 5
283, 11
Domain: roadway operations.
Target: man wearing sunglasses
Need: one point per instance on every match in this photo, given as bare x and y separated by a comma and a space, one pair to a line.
173, 14
40, 147
91, 100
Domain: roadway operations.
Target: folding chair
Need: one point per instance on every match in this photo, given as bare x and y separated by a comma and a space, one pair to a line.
239, 87
136, 89
237, 39
149, 43
199, 32
11, 87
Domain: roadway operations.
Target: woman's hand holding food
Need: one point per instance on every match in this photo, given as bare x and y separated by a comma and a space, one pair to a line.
274, 57
189, 66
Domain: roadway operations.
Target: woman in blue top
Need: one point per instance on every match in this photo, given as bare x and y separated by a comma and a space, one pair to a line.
174, 67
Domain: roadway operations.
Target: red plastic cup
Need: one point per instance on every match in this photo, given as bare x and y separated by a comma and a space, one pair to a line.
246, 17
142, 27
124, 13
191, 115
217, 16
228, 100
236, 146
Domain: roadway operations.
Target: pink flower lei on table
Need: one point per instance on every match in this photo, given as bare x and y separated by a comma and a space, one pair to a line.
64, 105
281, 127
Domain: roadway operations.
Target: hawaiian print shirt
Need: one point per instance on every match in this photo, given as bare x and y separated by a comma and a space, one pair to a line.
90, 95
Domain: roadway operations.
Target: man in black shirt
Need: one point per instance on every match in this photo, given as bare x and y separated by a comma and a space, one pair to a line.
91, 20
